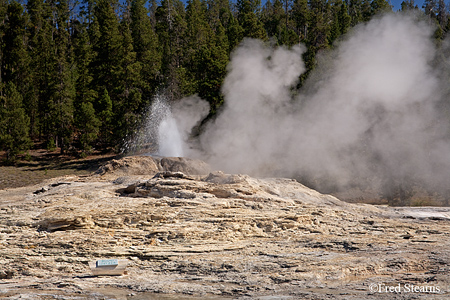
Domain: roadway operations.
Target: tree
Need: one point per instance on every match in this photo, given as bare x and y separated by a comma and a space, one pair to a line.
86, 120
430, 8
53, 71
249, 20
145, 44
15, 59
355, 11
106, 44
234, 32
198, 34
63, 86
107, 66
442, 14
171, 28
86, 12
3, 8
301, 18
218, 13
447, 27
210, 69
341, 21
408, 5
366, 10
273, 17
40, 46
89, 126
13, 123
320, 27
128, 102
379, 6
278, 24
104, 109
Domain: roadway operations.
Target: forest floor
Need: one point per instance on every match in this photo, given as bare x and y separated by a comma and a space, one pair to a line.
41, 164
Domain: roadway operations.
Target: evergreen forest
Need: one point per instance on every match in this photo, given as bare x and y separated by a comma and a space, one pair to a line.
78, 75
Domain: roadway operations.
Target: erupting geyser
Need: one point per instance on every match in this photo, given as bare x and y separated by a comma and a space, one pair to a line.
169, 140
373, 114
159, 134
167, 128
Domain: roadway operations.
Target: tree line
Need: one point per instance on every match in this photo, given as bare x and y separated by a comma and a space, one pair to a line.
79, 75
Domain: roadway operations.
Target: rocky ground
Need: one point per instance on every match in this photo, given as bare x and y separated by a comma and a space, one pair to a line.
189, 233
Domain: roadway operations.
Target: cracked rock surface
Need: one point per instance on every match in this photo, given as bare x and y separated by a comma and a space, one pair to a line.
189, 235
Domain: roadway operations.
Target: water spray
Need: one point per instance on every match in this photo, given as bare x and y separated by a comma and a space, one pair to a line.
159, 134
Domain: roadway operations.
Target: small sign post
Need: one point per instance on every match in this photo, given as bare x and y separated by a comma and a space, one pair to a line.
108, 267
107, 262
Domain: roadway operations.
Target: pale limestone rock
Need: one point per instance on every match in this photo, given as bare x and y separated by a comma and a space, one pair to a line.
227, 235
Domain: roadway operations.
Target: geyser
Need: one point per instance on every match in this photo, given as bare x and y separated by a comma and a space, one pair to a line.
169, 140
159, 133
367, 116
166, 129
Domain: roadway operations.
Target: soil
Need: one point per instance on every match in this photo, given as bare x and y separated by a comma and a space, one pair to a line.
41, 164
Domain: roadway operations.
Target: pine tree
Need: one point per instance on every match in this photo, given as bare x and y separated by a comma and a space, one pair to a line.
234, 32
212, 59
86, 13
408, 5
447, 27
249, 20
171, 28
341, 21
366, 10
380, 6
274, 18
3, 7
145, 44
344, 18
46, 59
129, 100
104, 109
277, 22
107, 65
86, 120
14, 123
15, 59
106, 43
355, 11
335, 30
89, 126
63, 86
39, 44
218, 13
301, 18
199, 34
320, 26
442, 15
430, 8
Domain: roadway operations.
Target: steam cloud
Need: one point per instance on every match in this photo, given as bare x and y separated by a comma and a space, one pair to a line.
367, 115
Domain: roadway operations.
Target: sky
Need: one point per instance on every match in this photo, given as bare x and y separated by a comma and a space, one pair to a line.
398, 3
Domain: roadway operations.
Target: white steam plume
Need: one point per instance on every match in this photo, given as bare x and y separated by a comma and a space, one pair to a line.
175, 123
247, 135
188, 113
366, 116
